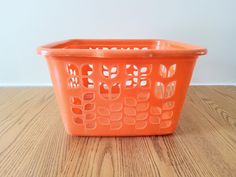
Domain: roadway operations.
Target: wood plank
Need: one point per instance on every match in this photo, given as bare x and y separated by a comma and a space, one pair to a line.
33, 141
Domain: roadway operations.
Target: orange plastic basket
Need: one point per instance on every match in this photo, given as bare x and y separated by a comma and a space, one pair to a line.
120, 87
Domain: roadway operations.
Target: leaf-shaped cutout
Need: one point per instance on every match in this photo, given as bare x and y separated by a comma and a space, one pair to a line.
159, 90
105, 67
130, 101
172, 70
104, 120
143, 96
113, 75
116, 125
163, 71
109, 71
76, 100
72, 69
78, 120
113, 69
167, 72
87, 70
145, 69
165, 92
106, 74
130, 120
105, 71
165, 124
76, 110
130, 111
115, 91
155, 110
140, 124
142, 116
168, 105
115, 116
131, 82
170, 89
89, 96
90, 125
155, 119
74, 82
115, 107
167, 115
88, 83
89, 107
90, 116
131, 70
144, 83
104, 88
103, 111
142, 106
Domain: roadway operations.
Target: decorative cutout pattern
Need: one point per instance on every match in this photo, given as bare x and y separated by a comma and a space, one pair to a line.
137, 76
73, 73
111, 116
164, 92
109, 72
162, 115
167, 72
109, 93
75, 78
134, 110
83, 110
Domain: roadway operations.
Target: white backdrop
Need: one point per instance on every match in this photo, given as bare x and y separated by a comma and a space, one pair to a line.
26, 24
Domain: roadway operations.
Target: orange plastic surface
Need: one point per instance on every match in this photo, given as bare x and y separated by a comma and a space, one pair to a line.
120, 87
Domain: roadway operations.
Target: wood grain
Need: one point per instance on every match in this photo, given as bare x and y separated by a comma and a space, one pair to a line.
33, 141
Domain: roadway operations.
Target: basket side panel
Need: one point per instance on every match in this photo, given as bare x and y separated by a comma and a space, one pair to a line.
120, 97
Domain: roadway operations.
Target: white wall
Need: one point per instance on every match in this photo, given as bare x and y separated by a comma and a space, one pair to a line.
26, 24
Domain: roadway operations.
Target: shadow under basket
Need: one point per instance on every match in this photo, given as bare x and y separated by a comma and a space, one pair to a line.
120, 87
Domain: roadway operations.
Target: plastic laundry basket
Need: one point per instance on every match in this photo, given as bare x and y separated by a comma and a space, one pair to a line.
120, 87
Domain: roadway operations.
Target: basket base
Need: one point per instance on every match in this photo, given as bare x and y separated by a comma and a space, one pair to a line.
86, 134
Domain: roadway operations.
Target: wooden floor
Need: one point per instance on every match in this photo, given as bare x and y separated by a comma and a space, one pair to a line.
33, 141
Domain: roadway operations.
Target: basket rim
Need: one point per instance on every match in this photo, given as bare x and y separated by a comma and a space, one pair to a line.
95, 48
